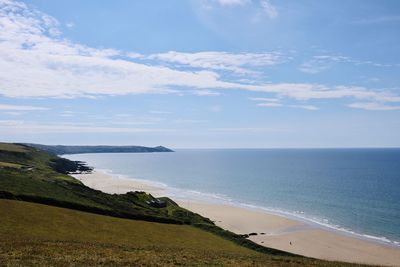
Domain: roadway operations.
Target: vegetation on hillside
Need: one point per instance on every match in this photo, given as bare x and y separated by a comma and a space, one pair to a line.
47, 182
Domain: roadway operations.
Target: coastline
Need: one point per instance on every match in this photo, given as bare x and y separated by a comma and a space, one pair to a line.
273, 230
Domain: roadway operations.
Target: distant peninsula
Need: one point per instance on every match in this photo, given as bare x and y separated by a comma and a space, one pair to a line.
62, 150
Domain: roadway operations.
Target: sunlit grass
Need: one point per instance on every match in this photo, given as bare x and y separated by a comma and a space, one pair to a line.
40, 235
10, 165
12, 147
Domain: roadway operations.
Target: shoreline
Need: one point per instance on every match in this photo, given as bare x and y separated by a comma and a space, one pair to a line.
273, 229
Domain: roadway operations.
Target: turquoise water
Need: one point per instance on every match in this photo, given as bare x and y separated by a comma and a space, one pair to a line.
351, 190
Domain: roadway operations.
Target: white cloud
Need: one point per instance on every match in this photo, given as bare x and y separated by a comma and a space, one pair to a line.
265, 99
206, 92
277, 105
69, 113
307, 107
373, 106
233, 2
305, 91
267, 102
36, 62
275, 102
314, 66
270, 105
269, 9
134, 55
70, 25
21, 108
238, 63
323, 62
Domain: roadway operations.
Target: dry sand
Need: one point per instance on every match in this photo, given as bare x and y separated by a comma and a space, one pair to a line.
111, 184
272, 230
306, 239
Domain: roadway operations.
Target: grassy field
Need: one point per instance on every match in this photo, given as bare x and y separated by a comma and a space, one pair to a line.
40, 235
12, 147
10, 165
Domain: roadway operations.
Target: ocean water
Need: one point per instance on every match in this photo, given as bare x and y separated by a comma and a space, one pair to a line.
356, 191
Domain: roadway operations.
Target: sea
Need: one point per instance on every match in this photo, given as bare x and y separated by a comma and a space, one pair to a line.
353, 191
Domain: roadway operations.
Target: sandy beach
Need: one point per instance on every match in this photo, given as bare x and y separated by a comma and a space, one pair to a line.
272, 230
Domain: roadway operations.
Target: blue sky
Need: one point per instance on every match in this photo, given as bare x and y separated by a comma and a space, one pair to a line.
201, 73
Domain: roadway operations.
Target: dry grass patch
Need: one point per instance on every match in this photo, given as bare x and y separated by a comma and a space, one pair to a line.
10, 165
12, 147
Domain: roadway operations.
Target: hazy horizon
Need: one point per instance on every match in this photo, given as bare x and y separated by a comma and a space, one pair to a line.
201, 73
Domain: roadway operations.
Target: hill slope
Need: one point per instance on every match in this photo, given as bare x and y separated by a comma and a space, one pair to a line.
35, 234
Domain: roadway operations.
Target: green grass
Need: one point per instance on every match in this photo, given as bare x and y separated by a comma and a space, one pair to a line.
40, 235
12, 147
10, 165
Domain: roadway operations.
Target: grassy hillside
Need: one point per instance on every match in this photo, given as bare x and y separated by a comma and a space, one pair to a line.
30, 174
35, 234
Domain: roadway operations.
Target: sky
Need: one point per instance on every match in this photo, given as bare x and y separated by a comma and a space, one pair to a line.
201, 73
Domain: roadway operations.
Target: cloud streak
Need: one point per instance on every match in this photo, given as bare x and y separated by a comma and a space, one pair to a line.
21, 108
275, 103
212, 60
265, 5
233, 2
373, 106
321, 63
